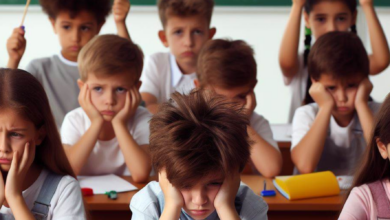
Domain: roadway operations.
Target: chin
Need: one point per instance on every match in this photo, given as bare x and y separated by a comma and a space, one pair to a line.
5, 167
108, 118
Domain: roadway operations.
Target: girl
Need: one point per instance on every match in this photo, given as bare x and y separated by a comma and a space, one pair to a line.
369, 199
323, 16
37, 181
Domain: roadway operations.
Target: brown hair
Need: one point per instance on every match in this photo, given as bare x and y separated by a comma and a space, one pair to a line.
99, 8
340, 54
373, 166
21, 92
193, 135
110, 54
226, 64
184, 8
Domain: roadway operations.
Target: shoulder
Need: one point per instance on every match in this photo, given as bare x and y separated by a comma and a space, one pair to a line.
147, 197
259, 123
76, 114
38, 64
374, 106
159, 59
253, 206
142, 115
309, 111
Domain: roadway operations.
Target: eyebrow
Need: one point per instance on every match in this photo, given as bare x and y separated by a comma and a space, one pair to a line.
18, 129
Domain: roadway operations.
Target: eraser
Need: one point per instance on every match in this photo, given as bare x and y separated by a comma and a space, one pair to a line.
265, 193
87, 191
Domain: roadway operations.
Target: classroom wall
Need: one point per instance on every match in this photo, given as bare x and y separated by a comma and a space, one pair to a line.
261, 27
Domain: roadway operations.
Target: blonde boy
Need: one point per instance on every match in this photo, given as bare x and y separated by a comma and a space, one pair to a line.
109, 133
186, 28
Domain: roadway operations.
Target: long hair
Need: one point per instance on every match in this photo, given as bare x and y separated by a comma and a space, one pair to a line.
22, 93
373, 166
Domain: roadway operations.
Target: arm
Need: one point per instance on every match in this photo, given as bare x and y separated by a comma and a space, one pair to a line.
136, 158
307, 153
364, 112
16, 45
120, 10
224, 201
150, 102
172, 196
288, 53
380, 57
78, 154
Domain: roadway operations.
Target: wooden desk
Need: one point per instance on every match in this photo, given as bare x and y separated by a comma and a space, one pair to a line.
100, 207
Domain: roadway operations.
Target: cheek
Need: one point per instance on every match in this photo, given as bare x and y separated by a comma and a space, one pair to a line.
95, 98
186, 197
212, 193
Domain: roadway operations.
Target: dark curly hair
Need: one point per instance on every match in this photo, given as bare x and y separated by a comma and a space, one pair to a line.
100, 8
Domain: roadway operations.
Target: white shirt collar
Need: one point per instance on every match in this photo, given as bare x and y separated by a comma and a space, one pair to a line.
175, 71
67, 62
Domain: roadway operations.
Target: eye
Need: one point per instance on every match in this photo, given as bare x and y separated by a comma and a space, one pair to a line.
341, 18
186, 187
320, 19
197, 32
331, 88
214, 184
352, 85
15, 135
66, 27
178, 32
85, 28
120, 90
97, 89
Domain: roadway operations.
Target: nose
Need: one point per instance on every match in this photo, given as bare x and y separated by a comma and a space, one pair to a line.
188, 40
4, 148
342, 96
110, 98
76, 35
199, 197
332, 26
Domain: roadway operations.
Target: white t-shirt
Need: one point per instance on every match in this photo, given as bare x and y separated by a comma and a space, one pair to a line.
298, 86
67, 201
262, 128
343, 145
106, 157
161, 77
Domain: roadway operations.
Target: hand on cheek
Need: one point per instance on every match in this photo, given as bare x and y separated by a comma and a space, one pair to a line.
86, 103
363, 92
227, 194
133, 99
321, 96
172, 195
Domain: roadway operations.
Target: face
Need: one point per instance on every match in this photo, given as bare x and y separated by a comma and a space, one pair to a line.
236, 94
343, 93
328, 16
199, 198
108, 93
75, 32
185, 37
15, 132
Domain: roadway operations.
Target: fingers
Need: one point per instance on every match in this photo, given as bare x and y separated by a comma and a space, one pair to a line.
14, 164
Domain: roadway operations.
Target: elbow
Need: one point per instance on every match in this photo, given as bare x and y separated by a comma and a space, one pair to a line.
142, 177
303, 166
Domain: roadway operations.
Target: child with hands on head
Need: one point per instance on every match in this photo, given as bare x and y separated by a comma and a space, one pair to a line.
331, 134
31, 155
109, 133
229, 69
321, 17
199, 145
75, 22
186, 28
370, 193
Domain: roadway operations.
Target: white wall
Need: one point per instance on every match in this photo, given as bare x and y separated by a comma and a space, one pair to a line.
261, 27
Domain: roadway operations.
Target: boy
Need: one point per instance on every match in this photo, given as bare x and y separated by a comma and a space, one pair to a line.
186, 25
109, 133
75, 22
229, 69
199, 145
332, 133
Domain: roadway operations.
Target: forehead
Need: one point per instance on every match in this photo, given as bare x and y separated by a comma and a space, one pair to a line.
233, 91
122, 78
327, 78
175, 21
10, 119
211, 177
81, 17
330, 7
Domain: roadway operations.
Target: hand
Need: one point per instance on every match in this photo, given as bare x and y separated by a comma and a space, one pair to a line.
2, 189
300, 3
366, 2
363, 92
172, 196
227, 193
86, 103
18, 171
120, 9
321, 96
250, 103
16, 44
133, 99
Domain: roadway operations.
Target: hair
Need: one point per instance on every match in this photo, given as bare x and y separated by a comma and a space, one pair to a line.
22, 93
227, 64
197, 134
309, 5
110, 54
373, 166
184, 8
99, 8
340, 54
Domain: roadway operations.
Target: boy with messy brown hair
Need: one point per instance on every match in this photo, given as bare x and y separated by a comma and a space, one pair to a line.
199, 145
186, 28
109, 133
75, 22
228, 68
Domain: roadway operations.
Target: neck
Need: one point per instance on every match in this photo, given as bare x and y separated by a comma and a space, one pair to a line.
187, 68
107, 132
344, 120
69, 57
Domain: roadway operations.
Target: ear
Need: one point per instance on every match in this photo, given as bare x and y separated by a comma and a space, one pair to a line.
139, 85
313, 80
53, 24
382, 148
163, 38
40, 136
307, 20
212, 32
80, 83
197, 84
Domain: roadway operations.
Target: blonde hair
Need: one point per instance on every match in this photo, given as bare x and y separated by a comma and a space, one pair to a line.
108, 55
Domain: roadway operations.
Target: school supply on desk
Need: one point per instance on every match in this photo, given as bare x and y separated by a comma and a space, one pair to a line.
307, 185
103, 184
112, 195
266, 192
87, 191
345, 182
25, 12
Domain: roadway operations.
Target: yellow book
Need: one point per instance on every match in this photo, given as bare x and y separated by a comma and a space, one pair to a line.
307, 185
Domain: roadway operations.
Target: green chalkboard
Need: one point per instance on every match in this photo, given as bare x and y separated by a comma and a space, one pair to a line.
218, 2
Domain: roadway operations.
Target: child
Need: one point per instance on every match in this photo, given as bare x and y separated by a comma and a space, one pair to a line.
331, 133
109, 133
75, 22
323, 16
199, 145
370, 195
229, 69
36, 178
186, 26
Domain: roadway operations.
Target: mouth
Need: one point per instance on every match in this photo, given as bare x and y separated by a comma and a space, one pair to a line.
109, 113
342, 109
74, 48
188, 54
199, 212
5, 161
